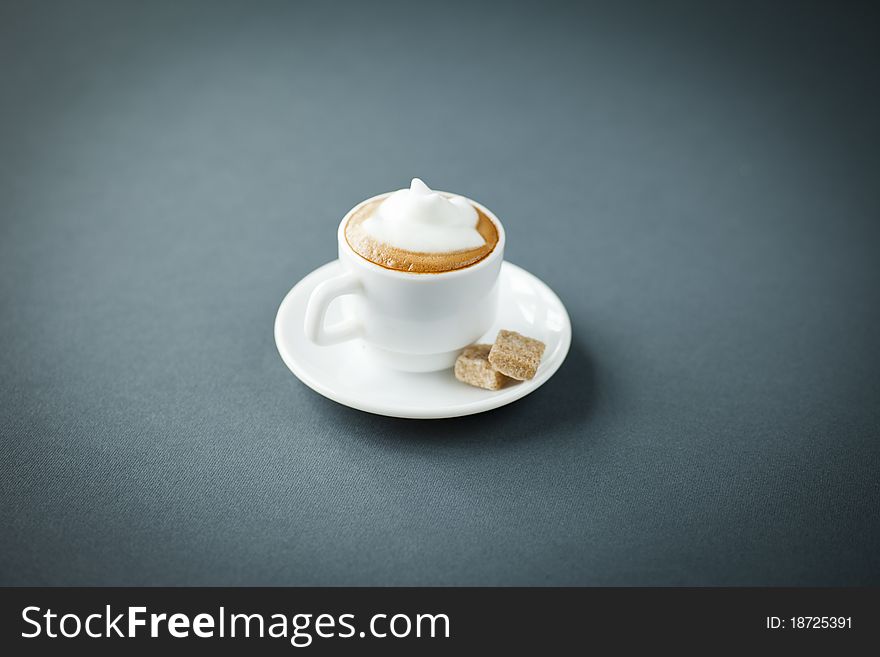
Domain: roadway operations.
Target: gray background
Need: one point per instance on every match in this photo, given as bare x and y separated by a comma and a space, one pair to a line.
699, 185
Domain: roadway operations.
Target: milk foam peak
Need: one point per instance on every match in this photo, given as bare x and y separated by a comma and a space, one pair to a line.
419, 219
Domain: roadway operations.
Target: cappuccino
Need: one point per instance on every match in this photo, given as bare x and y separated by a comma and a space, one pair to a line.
420, 231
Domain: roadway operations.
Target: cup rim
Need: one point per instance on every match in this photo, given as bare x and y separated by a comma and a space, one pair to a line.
496, 253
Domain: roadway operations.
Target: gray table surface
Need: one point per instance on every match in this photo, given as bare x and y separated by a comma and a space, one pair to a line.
699, 184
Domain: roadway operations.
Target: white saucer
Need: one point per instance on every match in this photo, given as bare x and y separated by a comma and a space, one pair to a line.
346, 373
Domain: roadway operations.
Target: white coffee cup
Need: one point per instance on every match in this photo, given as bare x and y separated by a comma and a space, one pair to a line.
411, 322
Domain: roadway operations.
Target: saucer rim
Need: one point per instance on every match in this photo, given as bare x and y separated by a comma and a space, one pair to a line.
498, 399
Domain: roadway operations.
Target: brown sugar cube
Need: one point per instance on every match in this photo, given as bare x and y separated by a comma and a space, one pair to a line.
515, 355
472, 366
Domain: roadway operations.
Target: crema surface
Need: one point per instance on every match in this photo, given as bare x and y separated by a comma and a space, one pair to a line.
415, 262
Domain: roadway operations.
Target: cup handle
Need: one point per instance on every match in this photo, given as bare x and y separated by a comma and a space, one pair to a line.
316, 309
